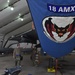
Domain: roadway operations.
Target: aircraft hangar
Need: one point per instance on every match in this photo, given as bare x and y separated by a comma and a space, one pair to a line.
16, 26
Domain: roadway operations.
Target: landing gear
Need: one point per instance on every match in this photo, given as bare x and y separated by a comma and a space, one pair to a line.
50, 65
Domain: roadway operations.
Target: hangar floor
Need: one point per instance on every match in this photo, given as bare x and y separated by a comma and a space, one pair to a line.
29, 69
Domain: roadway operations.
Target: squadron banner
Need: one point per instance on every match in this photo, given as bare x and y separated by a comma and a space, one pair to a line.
61, 8
54, 22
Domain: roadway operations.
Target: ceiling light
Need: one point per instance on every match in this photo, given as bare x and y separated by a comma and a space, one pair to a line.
12, 8
21, 35
21, 19
8, 1
19, 15
12, 36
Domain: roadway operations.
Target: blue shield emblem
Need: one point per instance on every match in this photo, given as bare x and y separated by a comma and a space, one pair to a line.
55, 25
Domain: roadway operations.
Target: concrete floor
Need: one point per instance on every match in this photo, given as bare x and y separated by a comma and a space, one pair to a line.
28, 68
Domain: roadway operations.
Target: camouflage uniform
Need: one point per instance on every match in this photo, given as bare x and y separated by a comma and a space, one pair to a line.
16, 55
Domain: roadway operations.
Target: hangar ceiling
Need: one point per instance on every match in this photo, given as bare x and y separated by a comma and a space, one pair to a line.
15, 18
10, 19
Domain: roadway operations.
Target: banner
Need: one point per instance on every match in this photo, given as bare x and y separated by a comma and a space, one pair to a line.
54, 22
